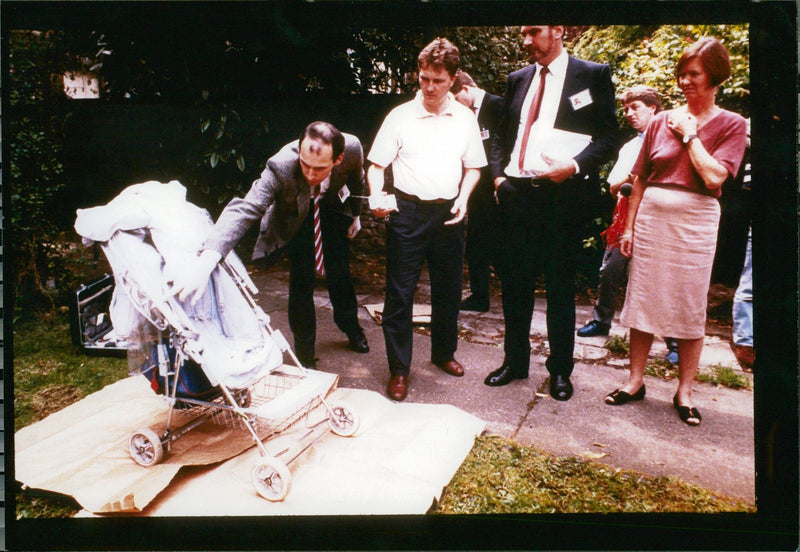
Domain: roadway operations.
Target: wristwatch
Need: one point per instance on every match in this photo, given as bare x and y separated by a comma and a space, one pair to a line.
688, 138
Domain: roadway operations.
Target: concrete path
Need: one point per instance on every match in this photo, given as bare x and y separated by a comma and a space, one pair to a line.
646, 436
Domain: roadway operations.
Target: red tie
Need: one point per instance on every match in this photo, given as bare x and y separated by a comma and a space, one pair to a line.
533, 114
318, 261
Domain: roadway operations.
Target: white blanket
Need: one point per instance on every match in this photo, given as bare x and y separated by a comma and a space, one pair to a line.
149, 233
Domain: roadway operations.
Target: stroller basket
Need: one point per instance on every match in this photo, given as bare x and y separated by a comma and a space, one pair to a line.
270, 388
243, 380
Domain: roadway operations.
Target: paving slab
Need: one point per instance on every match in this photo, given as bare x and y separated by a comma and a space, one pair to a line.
646, 436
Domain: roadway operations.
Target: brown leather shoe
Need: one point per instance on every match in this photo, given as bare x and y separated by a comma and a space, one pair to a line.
745, 356
452, 367
397, 388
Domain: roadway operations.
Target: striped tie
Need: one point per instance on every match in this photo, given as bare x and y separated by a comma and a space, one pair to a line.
318, 261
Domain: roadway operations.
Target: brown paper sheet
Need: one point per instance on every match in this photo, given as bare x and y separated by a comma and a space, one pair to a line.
398, 462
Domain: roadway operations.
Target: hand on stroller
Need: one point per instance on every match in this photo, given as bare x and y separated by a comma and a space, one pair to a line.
192, 278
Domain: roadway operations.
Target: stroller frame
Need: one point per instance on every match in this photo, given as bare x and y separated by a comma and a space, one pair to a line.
239, 408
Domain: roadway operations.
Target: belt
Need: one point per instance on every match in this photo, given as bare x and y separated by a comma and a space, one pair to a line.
530, 181
415, 199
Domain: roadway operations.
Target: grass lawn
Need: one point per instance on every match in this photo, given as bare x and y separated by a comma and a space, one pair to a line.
498, 476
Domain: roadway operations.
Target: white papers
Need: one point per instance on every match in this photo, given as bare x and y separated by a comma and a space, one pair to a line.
383, 202
554, 143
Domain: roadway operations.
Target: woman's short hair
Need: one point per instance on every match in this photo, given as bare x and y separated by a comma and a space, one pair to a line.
645, 94
712, 55
327, 134
440, 53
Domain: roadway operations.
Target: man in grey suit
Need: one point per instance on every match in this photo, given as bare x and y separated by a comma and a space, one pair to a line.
322, 162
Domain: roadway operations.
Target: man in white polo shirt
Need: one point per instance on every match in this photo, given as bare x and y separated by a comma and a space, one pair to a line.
433, 144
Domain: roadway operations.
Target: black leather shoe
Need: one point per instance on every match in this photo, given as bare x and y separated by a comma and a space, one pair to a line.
358, 342
308, 362
594, 328
503, 376
473, 303
560, 387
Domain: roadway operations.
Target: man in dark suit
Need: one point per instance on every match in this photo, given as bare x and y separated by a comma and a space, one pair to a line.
323, 162
483, 221
558, 126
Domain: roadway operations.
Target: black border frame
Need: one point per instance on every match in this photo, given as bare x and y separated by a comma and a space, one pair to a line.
773, 43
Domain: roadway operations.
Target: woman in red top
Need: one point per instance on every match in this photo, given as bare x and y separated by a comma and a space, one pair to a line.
671, 229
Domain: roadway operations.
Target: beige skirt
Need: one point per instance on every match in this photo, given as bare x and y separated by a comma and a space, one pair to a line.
674, 240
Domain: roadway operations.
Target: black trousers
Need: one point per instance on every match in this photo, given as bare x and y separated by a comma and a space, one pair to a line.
415, 235
542, 234
483, 232
302, 279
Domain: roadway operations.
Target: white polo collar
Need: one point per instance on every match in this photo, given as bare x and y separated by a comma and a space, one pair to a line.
421, 112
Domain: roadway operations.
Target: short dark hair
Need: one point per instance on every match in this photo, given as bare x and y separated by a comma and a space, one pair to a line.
648, 96
440, 53
712, 55
462, 79
326, 133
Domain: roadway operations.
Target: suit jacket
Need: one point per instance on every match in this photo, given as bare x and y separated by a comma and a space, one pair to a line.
488, 117
597, 119
280, 199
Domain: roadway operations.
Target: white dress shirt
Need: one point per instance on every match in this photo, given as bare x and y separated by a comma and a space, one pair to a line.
540, 130
625, 160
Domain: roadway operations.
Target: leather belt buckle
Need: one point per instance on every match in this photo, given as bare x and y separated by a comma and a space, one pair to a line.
535, 183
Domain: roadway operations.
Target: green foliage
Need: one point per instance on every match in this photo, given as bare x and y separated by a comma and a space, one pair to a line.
385, 60
224, 145
642, 54
35, 167
489, 71
726, 376
32, 503
618, 345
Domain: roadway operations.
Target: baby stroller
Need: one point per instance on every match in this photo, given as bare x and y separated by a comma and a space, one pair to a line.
219, 360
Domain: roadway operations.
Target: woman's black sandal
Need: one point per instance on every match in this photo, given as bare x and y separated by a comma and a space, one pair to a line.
687, 413
617, 397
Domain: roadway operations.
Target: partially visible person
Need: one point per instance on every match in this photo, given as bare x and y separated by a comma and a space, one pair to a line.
640, 103
324, 164
483, 224
671, 230
557, 128
433, 144
743, 297
743, 313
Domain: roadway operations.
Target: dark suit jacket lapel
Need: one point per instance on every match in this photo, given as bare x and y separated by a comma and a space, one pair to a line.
525, 81
574, 82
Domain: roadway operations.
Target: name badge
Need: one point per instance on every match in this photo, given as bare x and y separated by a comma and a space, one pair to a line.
344, 193
581, 100
485, 134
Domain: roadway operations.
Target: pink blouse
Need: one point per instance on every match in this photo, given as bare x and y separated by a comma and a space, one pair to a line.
664, 159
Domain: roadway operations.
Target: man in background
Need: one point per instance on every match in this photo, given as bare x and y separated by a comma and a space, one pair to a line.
483, 222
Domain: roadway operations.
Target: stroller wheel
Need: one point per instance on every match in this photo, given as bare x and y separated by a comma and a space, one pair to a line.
145, 447
344, 420
271, 478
